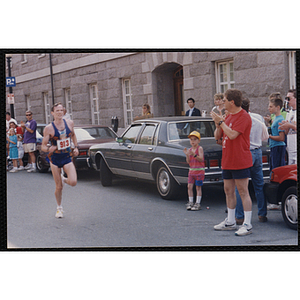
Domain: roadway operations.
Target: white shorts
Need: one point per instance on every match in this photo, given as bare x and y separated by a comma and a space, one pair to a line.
292, 158
31, 147
21, 153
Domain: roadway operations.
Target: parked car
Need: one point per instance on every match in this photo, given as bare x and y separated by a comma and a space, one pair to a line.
87, 135
283, 188
152, 149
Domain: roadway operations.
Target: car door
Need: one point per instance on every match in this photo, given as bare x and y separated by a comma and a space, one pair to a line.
119, 157
144, 151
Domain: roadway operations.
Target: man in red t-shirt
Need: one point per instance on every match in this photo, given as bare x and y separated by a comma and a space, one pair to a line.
236, 159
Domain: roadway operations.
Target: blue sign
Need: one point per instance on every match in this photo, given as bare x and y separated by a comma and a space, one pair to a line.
10, 81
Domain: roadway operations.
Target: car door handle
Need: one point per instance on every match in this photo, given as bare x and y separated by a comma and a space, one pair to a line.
150, 148
129, 146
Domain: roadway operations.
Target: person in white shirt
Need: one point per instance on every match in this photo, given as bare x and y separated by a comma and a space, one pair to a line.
290, 126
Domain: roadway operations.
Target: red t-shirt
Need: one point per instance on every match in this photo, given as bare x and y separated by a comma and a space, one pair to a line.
19, 130
236, 153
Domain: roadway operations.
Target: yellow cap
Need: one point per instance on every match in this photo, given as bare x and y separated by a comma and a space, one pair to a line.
196, 134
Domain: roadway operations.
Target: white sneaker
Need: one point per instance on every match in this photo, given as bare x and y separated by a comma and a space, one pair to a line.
59, 212
225, 226
32, 170
189, 205
274, 207
196, 206
245, 229
28, 167
20, 168
13, 171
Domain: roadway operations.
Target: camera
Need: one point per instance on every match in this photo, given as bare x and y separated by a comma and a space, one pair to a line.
269, 130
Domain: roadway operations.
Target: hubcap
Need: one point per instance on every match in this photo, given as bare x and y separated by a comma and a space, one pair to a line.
291, 209
164, 181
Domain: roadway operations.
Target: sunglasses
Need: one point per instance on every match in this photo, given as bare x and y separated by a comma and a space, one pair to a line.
28, 115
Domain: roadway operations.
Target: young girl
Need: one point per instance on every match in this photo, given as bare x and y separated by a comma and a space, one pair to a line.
195, 158
13, 149
20, 151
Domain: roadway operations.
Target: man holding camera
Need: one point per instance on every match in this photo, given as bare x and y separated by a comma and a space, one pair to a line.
290, 126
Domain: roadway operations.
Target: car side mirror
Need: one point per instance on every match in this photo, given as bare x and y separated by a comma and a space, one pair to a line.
119, 140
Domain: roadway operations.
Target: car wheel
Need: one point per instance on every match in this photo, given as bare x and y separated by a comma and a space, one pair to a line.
39, 165
105, 174
289, 207
165, 183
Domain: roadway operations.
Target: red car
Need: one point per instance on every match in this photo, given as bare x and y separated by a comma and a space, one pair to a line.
283, 188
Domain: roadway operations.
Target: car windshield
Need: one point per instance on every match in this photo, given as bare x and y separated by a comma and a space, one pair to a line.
181, 130
92, 133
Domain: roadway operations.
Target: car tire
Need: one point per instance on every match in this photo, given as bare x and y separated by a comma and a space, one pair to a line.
39, 165
289, 207
105, 174
166, 184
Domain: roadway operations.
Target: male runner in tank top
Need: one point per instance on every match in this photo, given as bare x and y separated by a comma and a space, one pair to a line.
60, 133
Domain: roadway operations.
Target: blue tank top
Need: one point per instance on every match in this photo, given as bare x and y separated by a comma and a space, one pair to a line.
59, 135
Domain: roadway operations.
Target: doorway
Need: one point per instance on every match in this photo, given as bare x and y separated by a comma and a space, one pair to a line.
178, 91
167, 83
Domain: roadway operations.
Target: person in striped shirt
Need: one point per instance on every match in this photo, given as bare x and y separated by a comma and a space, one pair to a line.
195, 158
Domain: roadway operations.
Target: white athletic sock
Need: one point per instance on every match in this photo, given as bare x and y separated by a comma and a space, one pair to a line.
33, 166
198, 200
231, 215
248, 217
191, 199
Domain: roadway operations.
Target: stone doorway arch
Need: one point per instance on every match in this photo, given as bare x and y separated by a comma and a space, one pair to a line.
167, 86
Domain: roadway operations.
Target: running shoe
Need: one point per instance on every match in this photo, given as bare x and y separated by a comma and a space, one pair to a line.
13, 171
32, 170
28, 167
225, 226
197, 206
189, 205
245, 229
20, 168
59, 213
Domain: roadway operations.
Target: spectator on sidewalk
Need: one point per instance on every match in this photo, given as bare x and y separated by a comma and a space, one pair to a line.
258, 134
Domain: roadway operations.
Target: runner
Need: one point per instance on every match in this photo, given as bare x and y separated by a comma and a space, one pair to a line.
60, 133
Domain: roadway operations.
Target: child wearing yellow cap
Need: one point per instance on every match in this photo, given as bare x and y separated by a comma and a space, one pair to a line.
195, 158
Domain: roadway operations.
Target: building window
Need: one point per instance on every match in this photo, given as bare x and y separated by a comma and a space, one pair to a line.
292, 69
47, 108
23, 58
127, 102
94, 104
27, 101
224, 76
68, 103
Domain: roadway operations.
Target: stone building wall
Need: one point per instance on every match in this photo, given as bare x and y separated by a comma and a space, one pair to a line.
256, 73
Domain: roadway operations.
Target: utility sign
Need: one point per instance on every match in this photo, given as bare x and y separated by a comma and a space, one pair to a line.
11, 98
10, 81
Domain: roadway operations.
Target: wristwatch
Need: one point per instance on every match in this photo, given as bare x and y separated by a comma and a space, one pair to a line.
221, 122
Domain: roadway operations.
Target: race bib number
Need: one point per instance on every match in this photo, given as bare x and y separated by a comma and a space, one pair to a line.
63, 144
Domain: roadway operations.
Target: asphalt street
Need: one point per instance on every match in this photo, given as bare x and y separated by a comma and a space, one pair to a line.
128, 214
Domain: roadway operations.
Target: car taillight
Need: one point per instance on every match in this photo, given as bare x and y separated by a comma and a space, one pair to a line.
84, 152
265, 159
213, 163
